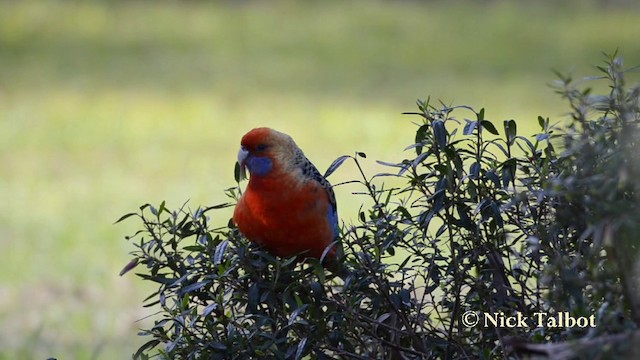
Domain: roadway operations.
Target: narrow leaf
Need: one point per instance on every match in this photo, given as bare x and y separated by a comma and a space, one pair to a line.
219, 253
145, 347
484, 203
474, 171
193, 287
543, 123
496, 214
125, 216
440, 133
296, 313
300, 350
335, 165
469, 127
383, 317
158, 279
253, 296
532, 148
542, 137
421, 133
491, 175
510, 130
486, 124
130, 265
239, 172
218, 206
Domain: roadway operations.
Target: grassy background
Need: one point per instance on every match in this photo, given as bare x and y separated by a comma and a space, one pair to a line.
107, 105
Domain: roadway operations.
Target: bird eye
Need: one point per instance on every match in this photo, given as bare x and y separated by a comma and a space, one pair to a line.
261, 147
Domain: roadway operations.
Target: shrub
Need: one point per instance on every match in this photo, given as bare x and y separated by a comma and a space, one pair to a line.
489, 226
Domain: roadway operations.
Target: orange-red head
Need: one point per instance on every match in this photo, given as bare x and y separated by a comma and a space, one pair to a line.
265, 151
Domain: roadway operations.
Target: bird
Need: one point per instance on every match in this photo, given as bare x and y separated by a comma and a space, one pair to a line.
288, 207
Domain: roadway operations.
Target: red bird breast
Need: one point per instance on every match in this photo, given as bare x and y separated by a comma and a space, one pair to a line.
288, 207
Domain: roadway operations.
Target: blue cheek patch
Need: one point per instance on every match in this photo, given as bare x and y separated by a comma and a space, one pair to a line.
259, 165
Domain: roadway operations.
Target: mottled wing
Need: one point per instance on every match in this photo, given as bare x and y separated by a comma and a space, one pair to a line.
309, 171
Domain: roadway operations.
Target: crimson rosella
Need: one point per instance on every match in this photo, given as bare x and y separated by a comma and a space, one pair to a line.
288, 207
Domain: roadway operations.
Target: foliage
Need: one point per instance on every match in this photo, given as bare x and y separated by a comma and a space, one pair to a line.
487, 222
593, 243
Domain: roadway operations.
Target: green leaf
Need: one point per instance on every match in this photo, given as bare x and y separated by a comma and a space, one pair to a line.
442, 183
531, 150
391, 251
217, 345
499, 146
335, 165
483, 204
405, 262
239, 173
486, 124
219, 253
421, 134
158, 279
465, 220
296, 313
440, 134
472, 189
125, 216
406, 215
474, 170
510, 130
145, 347
193, 287
469, 127
209, 309
423, 105
544, 123
508, 171
425, 218
602, 69
218, 206
185, 301
300, 349
542, 137
253, 297
317, 291
130, 265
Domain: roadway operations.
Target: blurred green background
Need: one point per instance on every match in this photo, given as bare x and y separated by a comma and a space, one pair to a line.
105, 106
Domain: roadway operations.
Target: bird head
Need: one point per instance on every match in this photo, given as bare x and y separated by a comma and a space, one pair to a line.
264, 150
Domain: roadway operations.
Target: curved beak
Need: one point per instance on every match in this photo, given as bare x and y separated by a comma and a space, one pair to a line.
242, 156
